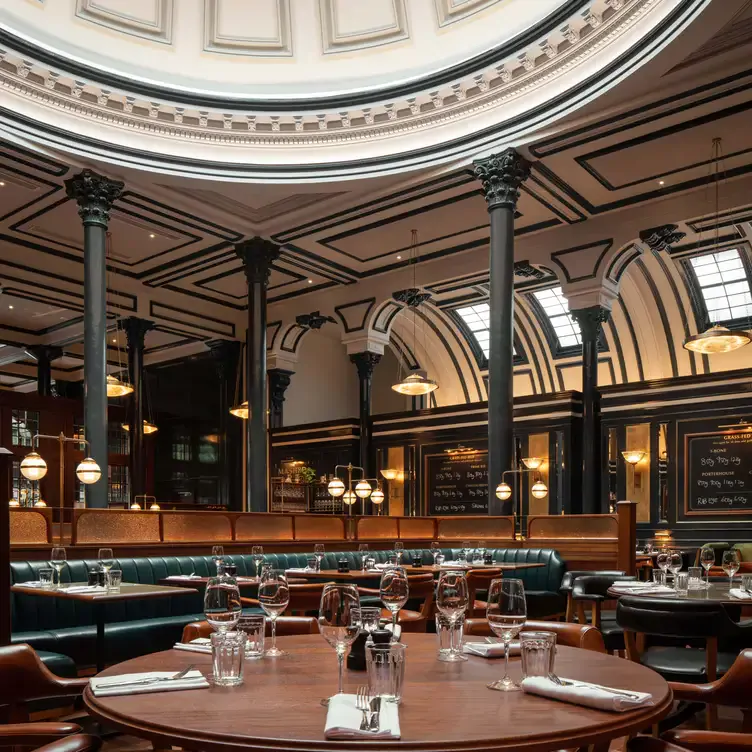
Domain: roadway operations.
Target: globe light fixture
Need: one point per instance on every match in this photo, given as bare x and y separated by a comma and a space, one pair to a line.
118, 388
377, 497
135, 506
633, 456
148, 427
88, 471
717, 339
33, 466
349, 498
532, 463
503, 491
40, 503
363, 489
14, 503
241, 410
389, 473
336, 488
415, 384
155, 507
539, 490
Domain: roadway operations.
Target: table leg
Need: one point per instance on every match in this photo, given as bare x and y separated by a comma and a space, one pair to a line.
99, 647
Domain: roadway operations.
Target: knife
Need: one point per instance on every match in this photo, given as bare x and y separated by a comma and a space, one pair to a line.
375, 710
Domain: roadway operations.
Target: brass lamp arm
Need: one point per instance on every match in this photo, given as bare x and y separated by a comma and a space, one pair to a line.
61, 438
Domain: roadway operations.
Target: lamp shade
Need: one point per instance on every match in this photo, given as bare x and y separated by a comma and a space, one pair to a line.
389, 473
349, 498
14, 503
539, 490
415, 384
40, 503
503, 491
532, 463
363, 489
148, 427
633, 456
717, 339
88, 471
241, 410
155, 507
135, 505
33, 466
118, 388
336, 488
377, 497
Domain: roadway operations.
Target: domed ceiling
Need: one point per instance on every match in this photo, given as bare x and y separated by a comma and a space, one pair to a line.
210, 88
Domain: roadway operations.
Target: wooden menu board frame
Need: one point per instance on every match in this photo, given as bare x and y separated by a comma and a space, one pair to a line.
472, 455
713, 511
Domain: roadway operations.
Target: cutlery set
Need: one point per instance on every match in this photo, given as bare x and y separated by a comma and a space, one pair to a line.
366, 705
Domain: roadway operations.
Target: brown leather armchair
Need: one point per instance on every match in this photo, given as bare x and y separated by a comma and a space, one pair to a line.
303, 598
26, 678
286, 625
571, 635
422, 588
712, 741
48, 737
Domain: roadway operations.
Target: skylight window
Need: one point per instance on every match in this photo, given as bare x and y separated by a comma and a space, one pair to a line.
476, 317
724, 285
555, 306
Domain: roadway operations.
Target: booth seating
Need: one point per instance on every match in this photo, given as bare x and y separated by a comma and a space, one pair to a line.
67, 627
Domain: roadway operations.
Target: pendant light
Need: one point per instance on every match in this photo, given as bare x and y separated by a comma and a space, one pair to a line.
148, 427
416, 382
717, 339
239, 409
116, 387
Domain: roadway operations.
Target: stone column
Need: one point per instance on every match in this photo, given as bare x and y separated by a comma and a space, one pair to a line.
501, 176
44, 355
135, 332
257, 255
279, 380
226, 355
591, 321
95, 195
365, 362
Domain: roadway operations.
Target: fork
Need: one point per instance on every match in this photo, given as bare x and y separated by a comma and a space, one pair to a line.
153, 680
566, 683
362, 702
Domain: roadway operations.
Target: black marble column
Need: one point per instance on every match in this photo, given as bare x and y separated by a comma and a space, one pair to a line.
95, 195
591, 321
279, 380
44, 355
135, 332
365, 362
501, 176
226, 355
257, 255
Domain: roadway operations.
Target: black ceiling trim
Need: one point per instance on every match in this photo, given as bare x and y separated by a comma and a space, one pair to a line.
202, 283
302, 291
181, 272
58, 169
521, 306
153, 304
607, 242
619, 349
577, 364
633, 334
54, 188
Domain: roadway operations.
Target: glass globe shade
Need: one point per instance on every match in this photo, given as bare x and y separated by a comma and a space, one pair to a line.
135, 505
363, 489
389, 473
349, 498
415, 384
717, 339
503, 491
336, 488
88, 471
155, 507
33, 466
14, 503
118, 388
532, 463
633, 456
40, 503
377, 497
241, 410
539, 490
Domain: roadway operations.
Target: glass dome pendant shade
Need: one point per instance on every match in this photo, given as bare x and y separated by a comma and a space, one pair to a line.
33, 466
336, 488
377, 497
415, 384
118, 388
717, 339
241, 410
363, 489
503, 491
148, 427
88, 471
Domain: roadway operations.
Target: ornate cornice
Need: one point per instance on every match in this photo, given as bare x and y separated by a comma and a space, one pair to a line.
95, 194
257, 255
525, 269
135, 331
279, 380
661, 238
501, 176
412, 297
365, 362
313, 320
591, 321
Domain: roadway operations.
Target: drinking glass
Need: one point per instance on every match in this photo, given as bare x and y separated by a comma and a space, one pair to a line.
257, 553
449, 636
695, 578
218, 554
537, 653
480, 549
435, 550
368, 618
363, 549
228, 651
675, 563
273, 595
222, 606
337, 622
386, 670
746, 582
114, 580
659, 577
438, 559
707, 560
681, 582
662, 559
731, 564
648, 547
254, 628
506, 613
394, 591
106, 560
399, 550
58, 558
452, 597
318, 552
46, 579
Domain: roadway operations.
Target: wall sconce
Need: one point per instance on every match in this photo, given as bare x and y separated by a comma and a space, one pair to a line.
633, 456
389, 473
14, 503
154, 506
532, 463
336, 487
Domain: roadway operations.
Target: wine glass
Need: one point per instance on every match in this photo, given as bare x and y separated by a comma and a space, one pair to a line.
394, 591
731, 564
481, 549
257, 552
675, 564
338, 624
273, 595
399, 550
662, 560
363, 549
707, 560
218, 554
222, 606
318, 552
435, 550
452, 598
58, 558
506, 613
106, 559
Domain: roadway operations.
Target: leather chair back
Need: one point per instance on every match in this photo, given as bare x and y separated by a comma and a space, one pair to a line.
286, 625
567, 581
595, 586
305, 597
668, 618
571, 635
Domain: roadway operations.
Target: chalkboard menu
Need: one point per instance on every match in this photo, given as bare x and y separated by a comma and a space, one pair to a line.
718, 473
457, 483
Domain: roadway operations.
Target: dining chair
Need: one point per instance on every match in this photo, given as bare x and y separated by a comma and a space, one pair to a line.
25, 679
567, 582
286, 626
711, 741
479, 579
583, 636
48, 737
422, 588
304, 599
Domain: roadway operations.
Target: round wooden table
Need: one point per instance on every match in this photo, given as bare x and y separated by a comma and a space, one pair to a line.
373, 574
446, 707
718, 592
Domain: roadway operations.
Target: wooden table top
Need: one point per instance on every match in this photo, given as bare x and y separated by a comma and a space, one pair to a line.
202, 581
446, 707
718, 592
359, 574
128, 591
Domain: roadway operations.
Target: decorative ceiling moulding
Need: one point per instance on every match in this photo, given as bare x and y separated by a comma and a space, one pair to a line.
451, 11
348, 25
230, 28
155, 25
500, 105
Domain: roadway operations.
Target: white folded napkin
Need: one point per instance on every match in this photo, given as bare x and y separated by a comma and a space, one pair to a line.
199, 645
454, 565
246, 579
85, 589
740, 594
183, 577
652, 589
589, 695
298, 569
343, 720
136, 684
490, 650
29, 584
633, 583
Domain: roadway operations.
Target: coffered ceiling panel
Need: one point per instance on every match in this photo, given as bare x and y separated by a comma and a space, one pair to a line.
353, 24
230, 27
151, 19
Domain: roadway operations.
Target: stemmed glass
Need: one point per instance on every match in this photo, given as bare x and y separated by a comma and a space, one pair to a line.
731, 564
338, 621
399, 550
707, 559
58, 558
318, 552
662, 560
274, 596
481, 549
106, 560
218, 555
452, 598
394, 590
675, 564
222, 606
435, 550
506, 613
363, 550
257, 552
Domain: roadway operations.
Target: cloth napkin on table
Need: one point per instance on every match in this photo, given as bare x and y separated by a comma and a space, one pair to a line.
648, 588
589, 695
298, 569
86, 589
490, 650
127, 684
199, 645
742, 595
29, 583
343, 720
454, 565
183, 577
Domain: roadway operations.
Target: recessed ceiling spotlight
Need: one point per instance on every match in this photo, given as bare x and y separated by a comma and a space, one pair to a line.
310, 281
11, 307
661, 182
152, 235
2, 183
399, 257
114, 340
